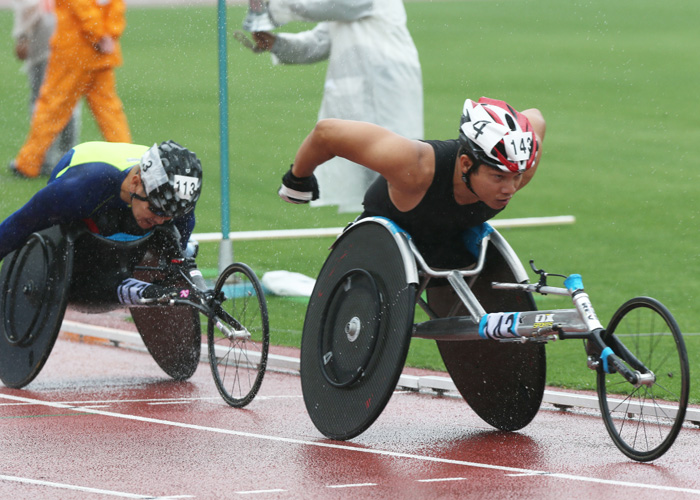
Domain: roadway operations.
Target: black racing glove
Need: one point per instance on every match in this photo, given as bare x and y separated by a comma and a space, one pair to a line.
298, 189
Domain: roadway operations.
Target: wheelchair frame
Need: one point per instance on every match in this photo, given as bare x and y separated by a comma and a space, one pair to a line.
643, 384
36, 284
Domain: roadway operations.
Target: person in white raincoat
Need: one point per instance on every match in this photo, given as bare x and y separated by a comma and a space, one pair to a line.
34, 23
373, 75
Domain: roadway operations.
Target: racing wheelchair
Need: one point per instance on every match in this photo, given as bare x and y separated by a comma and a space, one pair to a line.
67, 265
360, 321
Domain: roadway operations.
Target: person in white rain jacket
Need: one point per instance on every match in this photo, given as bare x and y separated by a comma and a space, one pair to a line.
373, 75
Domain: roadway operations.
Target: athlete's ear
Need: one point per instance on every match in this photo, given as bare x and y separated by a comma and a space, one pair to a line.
135, 182
465, 163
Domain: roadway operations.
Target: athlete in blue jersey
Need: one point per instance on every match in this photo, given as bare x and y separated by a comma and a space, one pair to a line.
114, 189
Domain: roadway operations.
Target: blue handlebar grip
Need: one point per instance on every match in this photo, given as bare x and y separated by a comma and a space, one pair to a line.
604, 358
573, 283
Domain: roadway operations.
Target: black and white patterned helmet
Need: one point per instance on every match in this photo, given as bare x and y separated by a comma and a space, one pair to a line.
172, 178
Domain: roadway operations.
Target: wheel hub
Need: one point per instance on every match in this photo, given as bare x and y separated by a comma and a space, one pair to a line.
352, 329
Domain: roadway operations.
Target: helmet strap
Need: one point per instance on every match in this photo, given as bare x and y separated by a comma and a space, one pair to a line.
138, 197
466, 176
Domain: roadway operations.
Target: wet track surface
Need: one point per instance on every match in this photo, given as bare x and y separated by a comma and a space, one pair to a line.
105, 422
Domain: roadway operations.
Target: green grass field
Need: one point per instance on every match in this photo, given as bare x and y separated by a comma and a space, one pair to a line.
616, 82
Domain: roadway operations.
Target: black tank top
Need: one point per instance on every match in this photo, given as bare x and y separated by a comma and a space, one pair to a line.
437, 223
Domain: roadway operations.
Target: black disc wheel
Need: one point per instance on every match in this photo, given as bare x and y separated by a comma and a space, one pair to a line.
33, 297
27, 291
172, 335
502, 382
644, 420
238, 335
357, 331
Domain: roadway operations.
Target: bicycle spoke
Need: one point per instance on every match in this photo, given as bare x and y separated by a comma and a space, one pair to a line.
644, 421
239, 370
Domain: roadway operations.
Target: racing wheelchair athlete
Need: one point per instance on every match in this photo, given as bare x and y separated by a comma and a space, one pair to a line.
423, 240
435, 191
95, 237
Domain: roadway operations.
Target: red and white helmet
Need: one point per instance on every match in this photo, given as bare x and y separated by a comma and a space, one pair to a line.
498, 135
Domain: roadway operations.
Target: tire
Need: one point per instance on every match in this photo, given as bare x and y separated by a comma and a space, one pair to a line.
34, 284
644, 421
502, 382
238, 364
172, 335
357, 331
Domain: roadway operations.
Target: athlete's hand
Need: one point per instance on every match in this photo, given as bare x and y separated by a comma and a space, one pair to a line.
298, 189
263, 40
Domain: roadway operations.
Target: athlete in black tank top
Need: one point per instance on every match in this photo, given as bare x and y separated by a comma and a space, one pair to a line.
436, 224
434, 190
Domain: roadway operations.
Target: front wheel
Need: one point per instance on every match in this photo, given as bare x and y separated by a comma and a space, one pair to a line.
238, 335
644, 420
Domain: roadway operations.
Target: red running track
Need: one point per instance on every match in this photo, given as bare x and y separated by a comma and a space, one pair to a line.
106, 422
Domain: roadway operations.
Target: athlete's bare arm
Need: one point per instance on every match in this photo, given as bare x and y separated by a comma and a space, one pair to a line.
406, 164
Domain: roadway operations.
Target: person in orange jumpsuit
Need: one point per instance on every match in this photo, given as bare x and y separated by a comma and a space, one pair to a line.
84, 52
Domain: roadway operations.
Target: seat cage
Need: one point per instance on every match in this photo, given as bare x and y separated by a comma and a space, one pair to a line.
68, 265
420, 273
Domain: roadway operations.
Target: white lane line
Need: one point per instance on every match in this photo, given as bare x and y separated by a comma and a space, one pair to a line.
86, 404
283, 396
358, 485
440, 479
254, 492
169, 403
513, 470
73, 487
529, 474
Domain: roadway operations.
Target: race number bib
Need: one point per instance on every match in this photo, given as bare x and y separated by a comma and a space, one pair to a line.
518, 145
153, 174
186, 187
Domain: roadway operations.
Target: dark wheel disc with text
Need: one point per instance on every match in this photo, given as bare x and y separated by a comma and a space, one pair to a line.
33, 296
502, 382
356, 332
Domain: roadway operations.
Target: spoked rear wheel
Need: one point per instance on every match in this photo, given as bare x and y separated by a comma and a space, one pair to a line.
644, 421
239, 335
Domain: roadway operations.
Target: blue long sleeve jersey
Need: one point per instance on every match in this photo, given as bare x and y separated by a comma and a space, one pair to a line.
84, 186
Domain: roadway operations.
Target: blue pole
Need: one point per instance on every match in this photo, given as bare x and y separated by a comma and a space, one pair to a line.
225, 248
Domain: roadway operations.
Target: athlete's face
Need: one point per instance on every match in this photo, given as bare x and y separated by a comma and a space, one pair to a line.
495, 187
143, 214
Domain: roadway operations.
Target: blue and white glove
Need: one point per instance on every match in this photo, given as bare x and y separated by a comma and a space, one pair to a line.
136, 292
192, 249
298, 189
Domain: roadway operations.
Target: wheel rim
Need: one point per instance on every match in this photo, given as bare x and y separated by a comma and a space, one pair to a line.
344, 403
31, 285
34, 283
644, 421
349, 328
238, 364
